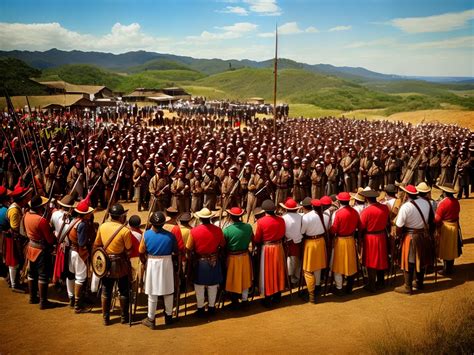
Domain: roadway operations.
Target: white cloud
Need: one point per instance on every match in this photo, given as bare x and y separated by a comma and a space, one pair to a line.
264, 7
289, 28
43, 36
311, 29
236, 30
237, 10
439, 23
340, 28
374, 43
458, 42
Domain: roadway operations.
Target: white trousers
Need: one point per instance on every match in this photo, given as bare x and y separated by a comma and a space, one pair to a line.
245, 294
78, 267
338, 279
294, 264
211, 294
153, 301
13, 271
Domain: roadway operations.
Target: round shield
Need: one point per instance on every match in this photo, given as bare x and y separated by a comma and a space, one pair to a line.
100, 262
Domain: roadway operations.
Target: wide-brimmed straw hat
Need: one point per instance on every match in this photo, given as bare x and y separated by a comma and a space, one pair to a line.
423, 187
449, 188
204, 213
358, 196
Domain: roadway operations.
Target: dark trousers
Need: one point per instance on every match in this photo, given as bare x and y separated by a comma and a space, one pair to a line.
108, 285
40, 268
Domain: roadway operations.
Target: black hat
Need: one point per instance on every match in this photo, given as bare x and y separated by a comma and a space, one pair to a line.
268, 205
117, 210
306, 202
37, 201
157, 219
391, 189
135, 221
185, 217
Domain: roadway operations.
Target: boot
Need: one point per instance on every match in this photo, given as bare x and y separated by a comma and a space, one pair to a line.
33, 286
106, 310
124, 304
200, 312
318, 290
312, 297
276, 298
211, 310
79, 299
349, 284
406, 288
72, 302
380, 284
444, 271
371, 284
267, 302
168, 319
420, 276
147, 322
449, 267
44, 303
234, 301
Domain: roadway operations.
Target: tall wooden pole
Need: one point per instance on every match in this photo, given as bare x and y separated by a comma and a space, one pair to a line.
275, 73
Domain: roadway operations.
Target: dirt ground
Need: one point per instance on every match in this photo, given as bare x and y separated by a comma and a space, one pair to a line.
333, 325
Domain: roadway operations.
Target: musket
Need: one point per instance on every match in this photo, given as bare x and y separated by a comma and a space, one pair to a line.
409, 172
75, 184
11, 151
178, 286
50, 196
34, 138
95, 184
113, 190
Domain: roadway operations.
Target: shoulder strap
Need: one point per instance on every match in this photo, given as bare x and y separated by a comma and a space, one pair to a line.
61, 229
421, 214
321, 217
71, 226
113, 236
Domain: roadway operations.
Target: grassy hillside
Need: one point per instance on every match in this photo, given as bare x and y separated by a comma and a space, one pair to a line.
158, 64
15, 77
89, 74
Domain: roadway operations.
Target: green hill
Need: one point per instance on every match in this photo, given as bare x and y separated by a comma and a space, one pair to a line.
15, 77
157, 79
158, 64
82, 74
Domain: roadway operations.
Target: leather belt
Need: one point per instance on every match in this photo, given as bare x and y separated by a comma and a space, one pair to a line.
158, 256
37, 244
315, 236
238, 252
207, 256
414, 230
345, 236
272, 242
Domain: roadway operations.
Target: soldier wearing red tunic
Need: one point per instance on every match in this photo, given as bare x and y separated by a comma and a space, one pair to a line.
270, 231
374, 221
346, 221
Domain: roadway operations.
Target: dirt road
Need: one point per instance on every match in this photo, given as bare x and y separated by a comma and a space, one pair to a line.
333, 325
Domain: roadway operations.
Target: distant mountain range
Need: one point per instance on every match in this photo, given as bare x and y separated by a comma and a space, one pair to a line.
140, 60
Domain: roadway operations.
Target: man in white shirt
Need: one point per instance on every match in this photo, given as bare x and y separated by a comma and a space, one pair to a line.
61, 217
413, 222
293, 238
314, 254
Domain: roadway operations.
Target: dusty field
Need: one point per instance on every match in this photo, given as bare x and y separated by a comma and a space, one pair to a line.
334, 325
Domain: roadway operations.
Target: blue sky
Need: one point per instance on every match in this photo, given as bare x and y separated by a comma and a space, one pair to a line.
428, 37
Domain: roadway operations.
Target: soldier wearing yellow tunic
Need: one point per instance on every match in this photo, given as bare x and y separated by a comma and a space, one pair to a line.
314, 229
448, 234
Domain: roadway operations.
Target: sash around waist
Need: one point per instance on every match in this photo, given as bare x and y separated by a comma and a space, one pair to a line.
237, 252
272, 242
159, 256
37, 244
382, 231
315, 236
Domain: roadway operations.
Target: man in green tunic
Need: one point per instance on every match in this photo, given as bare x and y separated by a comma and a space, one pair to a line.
239, 270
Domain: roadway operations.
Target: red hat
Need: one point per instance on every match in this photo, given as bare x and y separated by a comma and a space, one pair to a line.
3, 191
315, 202
83, 207
410, 189
343, 196
236, 211
19, 192
325, 201
290, 204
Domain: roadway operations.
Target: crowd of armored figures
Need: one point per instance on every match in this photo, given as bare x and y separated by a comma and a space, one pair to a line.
332, 200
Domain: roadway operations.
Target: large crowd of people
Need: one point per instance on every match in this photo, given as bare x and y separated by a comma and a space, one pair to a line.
331, 200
